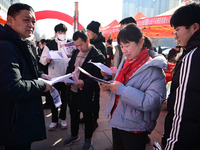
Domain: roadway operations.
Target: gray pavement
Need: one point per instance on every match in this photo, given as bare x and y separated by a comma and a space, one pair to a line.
102, 137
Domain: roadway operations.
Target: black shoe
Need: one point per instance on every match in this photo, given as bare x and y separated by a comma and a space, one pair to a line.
71, 140
87, 145
82, 120
95, 125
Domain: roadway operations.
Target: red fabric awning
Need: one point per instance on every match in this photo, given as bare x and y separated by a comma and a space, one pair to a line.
111, 30
159, 26
2, 17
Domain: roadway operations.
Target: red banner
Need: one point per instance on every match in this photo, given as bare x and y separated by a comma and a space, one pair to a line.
153, 21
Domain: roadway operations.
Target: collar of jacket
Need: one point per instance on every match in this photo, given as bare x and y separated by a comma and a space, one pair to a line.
100, 38
23, 45
194, 41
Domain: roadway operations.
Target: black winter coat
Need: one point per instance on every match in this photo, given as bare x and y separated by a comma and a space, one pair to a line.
182, 123
89, 95
21, 112
99, 44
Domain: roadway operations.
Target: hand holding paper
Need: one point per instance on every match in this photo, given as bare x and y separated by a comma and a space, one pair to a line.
93, 77
75, 78
102, 67
57, 79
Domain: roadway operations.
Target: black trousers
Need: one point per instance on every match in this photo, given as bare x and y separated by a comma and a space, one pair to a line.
18, 147
124, 140
75, 117
64, 94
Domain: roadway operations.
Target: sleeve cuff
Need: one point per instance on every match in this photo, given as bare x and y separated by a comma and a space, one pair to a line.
121, 89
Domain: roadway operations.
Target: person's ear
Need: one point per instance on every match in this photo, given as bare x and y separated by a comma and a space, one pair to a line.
9, 20
141, 42
196, 27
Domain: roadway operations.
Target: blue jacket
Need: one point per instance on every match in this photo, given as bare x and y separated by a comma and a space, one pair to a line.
140, 98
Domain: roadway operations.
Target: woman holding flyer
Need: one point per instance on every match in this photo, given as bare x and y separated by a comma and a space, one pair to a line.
137, 92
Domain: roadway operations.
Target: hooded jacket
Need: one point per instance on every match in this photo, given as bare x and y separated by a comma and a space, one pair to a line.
21, 111
140, 98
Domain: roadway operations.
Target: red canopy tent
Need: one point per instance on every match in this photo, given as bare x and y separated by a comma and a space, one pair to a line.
2, 17
110, 30
158, 26
139, 16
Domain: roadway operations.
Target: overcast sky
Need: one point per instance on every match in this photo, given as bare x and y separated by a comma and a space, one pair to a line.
103, 11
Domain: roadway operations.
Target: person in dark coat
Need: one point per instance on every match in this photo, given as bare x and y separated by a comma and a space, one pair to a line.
84, 94
109, 52
182, 123
96, 37
98, 40
21, 112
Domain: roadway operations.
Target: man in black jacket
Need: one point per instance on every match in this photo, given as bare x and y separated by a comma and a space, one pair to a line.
96, 37
182, 123
85, 93
98, 40
21, 112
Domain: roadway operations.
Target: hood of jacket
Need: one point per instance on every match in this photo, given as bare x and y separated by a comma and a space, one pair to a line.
158, 61
100, 38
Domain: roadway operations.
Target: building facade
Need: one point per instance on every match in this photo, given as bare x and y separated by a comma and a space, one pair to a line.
149, 8
5, 4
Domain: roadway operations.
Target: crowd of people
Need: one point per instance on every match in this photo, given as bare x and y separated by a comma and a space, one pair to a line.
136, 90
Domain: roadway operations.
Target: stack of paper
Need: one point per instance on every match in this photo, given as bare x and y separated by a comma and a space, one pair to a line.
55, 55
102, 67
93, 77
59, 79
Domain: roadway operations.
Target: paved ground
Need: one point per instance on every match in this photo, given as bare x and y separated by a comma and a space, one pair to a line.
102, 137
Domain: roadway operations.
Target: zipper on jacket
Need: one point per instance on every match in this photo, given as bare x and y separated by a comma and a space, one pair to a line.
93, 96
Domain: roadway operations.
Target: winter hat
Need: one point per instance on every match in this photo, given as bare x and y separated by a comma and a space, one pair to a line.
128, 20
94, 26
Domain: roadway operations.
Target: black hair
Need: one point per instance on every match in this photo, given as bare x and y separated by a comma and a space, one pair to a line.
109, 41
147, 43
79, 34
130, 33
128, 20
15, 9
60, 27
186, 15
43, 41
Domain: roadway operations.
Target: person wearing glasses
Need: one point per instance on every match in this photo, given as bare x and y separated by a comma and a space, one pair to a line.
182, 123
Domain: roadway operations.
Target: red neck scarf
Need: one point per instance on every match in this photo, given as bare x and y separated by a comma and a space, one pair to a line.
132, 65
